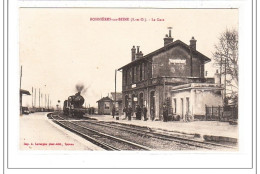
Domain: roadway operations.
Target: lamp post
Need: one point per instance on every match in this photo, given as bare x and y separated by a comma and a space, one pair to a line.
115, 86
148, 96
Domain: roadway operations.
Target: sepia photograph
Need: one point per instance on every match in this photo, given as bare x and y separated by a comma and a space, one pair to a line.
129, 79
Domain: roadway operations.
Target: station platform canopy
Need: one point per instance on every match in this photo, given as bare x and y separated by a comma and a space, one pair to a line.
22, 91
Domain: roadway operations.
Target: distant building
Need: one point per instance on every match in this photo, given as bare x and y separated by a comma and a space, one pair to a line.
105, 104
172, 74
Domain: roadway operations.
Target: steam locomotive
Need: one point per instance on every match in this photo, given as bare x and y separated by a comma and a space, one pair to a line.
73, 106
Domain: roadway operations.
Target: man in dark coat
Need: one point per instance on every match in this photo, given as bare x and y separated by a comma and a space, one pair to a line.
138, 112
129, 112
165, 113
124, 111
145, 113
152, 113
113, 111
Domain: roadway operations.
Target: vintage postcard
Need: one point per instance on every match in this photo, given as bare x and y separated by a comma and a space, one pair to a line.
131, 84
129, 79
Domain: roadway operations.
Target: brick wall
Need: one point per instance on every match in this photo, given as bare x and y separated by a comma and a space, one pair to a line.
176, 62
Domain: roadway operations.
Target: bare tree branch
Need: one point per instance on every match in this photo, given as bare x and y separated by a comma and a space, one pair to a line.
226, 57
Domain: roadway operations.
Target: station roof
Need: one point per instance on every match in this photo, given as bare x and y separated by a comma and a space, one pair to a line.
22, 91
167, 47
105, 99
203, 86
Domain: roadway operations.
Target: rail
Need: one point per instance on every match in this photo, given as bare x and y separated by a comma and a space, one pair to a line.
175, 138
67, 124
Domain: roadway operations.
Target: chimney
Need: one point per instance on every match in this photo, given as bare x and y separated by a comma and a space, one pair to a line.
193, 43
139, 53
138, 49
168, 39
133, 53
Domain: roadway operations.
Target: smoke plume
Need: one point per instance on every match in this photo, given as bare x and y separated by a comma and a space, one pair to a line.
81, 88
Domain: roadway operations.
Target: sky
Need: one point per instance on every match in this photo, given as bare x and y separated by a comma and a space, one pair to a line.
61, 47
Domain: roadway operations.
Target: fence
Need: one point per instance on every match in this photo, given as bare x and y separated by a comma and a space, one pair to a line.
220, 113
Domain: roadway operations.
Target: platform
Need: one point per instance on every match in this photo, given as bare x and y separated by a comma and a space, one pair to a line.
208, 130
37, 132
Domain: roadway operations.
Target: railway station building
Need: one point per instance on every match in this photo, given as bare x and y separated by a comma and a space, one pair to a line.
172, 74
106, 104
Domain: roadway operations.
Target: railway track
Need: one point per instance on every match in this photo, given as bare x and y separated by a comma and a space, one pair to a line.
103, 140
151, 133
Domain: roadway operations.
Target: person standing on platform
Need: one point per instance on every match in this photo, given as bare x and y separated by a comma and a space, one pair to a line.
124, 111
113, 111
145, 113
129, 113
152, 113
165, 113
138, 112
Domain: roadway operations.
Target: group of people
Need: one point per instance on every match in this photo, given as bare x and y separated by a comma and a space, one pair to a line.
139, 111
142, 111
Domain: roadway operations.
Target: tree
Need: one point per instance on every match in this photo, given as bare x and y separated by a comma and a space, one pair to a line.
226, 59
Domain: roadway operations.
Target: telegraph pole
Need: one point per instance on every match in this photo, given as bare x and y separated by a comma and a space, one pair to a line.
39, 97
35, 97
32, 97
220, 71
41, 100
21, 75
225, 92
48, 100
21, 95
115, 88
